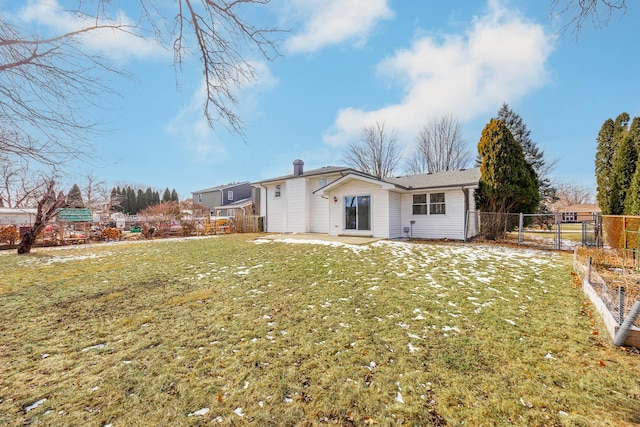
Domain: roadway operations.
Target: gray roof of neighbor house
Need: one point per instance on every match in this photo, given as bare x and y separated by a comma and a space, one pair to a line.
236, 204
453, 178
319, 171
220, 187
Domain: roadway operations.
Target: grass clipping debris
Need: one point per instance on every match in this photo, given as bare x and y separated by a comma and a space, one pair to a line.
234, 331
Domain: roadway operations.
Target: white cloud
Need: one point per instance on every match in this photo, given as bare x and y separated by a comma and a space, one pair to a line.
501, 57
329, 22
113, 43
192, 129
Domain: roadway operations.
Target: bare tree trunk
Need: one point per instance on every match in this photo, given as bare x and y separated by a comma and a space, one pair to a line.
47, 207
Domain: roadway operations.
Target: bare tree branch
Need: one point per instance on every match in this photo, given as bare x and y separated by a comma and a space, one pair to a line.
599, 12
377, 153
47, 84
440, 147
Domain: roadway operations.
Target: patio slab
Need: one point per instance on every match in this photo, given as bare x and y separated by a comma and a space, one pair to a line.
349, 240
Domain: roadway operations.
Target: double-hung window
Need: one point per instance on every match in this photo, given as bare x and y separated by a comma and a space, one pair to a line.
429, 204
419, 204
436, 204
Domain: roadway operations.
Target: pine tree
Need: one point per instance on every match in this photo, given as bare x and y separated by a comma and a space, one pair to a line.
112, 200
148, 196
632, 202
166, 196
131, 205
623, 168
508, 183
141, 200
603, 165
174, 195
532, 154
74, 197
156, 197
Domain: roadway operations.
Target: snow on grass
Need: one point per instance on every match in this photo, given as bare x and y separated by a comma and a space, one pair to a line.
34, 405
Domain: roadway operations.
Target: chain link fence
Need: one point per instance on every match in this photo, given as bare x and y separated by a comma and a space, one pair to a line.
544, 231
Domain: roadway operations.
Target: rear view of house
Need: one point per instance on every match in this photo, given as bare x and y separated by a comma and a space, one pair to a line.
344, 201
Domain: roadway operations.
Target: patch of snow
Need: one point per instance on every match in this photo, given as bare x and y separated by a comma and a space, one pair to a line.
511, 322
238, 412
94, 347
413, 349
549, 356
399, 398
35, 405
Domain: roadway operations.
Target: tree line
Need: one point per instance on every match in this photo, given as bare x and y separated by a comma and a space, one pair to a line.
130, 201
617, 167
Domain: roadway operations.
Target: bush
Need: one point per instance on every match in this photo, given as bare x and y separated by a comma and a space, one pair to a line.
9, 234
111, 234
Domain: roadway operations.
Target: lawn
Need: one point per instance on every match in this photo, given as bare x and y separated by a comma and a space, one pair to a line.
234, 330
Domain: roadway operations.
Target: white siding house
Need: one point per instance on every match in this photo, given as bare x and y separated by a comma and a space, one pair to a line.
344, 201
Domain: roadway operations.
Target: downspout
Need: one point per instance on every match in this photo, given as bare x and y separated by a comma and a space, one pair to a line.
266, 207
465, 216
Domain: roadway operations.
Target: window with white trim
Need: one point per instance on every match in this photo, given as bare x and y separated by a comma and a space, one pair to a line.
322, 182
230, 195
278, 189
357, 212
436, 204
199, 198
419, 204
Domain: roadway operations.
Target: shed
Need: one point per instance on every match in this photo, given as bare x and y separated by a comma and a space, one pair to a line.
75, 224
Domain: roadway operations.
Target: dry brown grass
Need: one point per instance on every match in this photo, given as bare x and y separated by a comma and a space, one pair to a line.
277, 334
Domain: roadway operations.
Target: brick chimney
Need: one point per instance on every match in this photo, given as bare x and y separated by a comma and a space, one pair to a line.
298, 167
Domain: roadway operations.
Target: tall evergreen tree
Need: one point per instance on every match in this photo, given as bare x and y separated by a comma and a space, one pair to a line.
74, 197
112, 199
141, 200
508, 183
174, 195
615, 163
632, 201
532, 154
132, 207
156, 197
166, 196
148, 196
623, 168
604, 166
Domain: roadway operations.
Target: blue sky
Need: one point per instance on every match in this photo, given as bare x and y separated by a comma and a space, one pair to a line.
345, 64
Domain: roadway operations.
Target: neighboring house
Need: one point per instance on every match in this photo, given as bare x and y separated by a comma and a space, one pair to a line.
580, 212
20, 217
344, 201
226, 200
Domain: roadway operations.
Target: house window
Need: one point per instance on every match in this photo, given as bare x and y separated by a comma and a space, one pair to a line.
436, 204
357, 212
419, 204
569, 217
322, 182
277, 194
199, 198
230, 195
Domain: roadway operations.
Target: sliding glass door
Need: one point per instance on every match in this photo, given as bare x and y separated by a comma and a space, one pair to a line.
357, 212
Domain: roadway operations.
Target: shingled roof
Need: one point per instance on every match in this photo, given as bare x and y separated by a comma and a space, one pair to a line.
74, 215
453, 178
